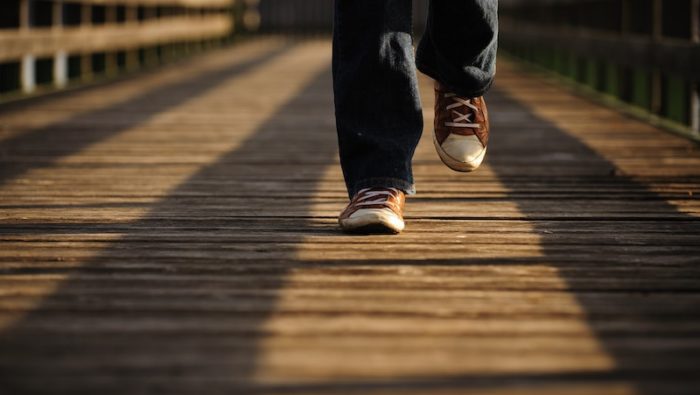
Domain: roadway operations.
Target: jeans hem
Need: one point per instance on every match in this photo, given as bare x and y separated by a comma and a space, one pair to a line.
409, 188
436, 76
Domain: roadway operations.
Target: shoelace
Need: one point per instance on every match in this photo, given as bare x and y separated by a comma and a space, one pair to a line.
367, 197
461, 120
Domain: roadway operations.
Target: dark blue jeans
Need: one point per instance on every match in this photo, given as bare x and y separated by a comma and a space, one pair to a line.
377, 107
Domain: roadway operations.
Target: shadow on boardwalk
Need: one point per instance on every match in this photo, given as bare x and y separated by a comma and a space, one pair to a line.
165, 288
167, 312
633, 272
140, 110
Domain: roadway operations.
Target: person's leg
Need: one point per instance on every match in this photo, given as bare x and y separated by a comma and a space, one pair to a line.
458, 50
459, 46
377, 107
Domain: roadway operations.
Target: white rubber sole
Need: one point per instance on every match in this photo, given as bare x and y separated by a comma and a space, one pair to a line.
372, 221
453, 163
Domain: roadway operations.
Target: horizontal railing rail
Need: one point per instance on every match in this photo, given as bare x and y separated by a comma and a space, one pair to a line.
681, 58
47, 44
645, 53
44, 42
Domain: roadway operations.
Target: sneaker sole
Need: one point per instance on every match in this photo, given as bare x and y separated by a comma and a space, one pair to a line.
464, 167
371, 222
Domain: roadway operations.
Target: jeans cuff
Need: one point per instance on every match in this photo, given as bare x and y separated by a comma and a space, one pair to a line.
465, 93
387, 182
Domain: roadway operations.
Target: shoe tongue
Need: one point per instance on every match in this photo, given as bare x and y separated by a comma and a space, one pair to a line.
463, 131
379, 189
379, 192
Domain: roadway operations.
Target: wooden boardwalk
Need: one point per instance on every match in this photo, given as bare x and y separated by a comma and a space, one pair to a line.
175, 233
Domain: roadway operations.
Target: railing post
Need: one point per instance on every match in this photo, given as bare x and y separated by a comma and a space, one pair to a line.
131, 17
111, 67
626, 85
626, 15
60, 60
151, 57
251, 16
27, 73
695, 86
655, 100
86, 58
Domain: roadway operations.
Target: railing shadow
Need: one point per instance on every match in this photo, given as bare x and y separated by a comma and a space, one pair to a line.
66, 137
631, 264
194, 279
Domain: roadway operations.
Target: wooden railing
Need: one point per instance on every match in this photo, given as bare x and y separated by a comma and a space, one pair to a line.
47, 44
314, 16
296, 16
644, 53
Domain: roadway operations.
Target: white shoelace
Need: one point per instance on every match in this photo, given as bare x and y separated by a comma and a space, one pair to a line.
461, 120
374, 197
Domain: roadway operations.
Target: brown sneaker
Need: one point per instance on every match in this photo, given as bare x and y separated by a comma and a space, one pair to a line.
461, 129
374, 210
